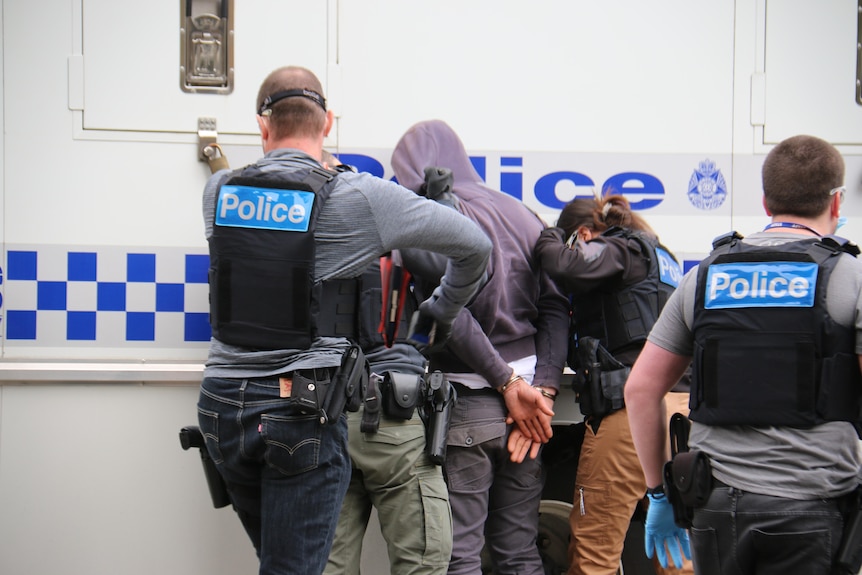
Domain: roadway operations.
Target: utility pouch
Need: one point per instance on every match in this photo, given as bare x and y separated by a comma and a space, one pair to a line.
687, 476
692, 478
401, 393
347, 387
849, 558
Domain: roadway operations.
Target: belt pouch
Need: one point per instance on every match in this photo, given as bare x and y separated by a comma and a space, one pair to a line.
692, 477
400, 393
306, 392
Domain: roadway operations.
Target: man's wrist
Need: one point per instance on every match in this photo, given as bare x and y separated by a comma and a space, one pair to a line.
511, 382
550, 393
657, 492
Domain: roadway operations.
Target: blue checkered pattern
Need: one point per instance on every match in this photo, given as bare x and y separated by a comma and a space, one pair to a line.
106, 296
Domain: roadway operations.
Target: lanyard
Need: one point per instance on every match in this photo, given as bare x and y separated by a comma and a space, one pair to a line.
793, 225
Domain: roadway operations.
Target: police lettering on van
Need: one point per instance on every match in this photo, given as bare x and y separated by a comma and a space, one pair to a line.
752, 284
264, 208
645, 190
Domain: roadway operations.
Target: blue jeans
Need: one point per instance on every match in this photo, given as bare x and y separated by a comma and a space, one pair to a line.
742, 533
286, 473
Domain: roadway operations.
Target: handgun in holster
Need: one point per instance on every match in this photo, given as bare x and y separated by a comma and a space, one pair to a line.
436, 414
348, 386
599, 379
191, 436
848, 561
687, 476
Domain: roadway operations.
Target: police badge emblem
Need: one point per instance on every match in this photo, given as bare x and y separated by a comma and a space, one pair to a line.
707, 189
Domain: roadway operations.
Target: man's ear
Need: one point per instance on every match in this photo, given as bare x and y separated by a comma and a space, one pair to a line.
330, 121
263, 126
835, 206
765, 209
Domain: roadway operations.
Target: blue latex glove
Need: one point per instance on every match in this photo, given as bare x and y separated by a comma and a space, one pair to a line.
662, 533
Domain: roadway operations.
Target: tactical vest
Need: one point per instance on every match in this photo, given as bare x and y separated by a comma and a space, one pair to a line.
372, 322
766, 350
622, 318
262, 253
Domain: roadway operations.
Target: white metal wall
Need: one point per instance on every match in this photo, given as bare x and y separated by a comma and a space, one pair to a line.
99, 155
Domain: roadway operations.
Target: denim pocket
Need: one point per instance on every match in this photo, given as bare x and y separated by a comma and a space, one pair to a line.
704, 551
208, 422
292, 442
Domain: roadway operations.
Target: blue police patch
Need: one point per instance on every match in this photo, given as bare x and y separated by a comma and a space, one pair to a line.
264, 208
668, 268
760, 284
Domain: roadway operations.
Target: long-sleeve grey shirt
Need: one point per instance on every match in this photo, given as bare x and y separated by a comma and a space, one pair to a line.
363, 218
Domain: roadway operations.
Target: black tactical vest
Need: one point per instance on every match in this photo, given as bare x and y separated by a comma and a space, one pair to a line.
622, 318
766, 350
262, 252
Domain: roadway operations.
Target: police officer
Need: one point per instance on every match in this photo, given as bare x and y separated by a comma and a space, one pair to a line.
287, 241
619, 277
772, 322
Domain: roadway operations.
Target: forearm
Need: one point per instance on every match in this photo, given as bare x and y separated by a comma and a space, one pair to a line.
653, 375
552, 334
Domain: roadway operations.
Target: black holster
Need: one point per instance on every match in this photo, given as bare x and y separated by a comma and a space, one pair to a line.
600, 379
347, 388
848, 561
436, 414
191, 436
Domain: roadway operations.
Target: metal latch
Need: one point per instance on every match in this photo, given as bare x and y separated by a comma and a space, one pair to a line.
206, 46
208, 149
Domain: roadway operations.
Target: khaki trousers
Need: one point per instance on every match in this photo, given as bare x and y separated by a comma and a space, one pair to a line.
608, 487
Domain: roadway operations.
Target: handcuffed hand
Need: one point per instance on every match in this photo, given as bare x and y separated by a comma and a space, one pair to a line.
520, 445
661, 533
529, 410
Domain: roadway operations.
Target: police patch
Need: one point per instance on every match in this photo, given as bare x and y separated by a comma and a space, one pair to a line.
707, 189
668, 269
264, 208
760, 284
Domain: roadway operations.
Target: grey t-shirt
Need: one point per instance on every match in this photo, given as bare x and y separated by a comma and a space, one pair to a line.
364, 218
820, 462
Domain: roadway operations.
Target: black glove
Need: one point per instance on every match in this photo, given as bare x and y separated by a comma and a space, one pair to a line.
427, 334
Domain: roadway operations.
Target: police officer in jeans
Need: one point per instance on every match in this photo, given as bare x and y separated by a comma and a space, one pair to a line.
773, 323
288, 240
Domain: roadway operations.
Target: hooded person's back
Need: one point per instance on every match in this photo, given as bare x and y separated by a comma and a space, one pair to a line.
508, 307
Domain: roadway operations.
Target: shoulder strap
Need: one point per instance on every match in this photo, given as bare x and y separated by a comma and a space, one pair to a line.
728, 239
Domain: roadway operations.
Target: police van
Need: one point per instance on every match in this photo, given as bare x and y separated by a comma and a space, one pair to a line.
112, 110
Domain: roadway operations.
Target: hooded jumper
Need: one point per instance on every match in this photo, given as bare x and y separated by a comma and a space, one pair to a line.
519, 312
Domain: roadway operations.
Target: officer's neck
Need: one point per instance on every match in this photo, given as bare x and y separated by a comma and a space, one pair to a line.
311, 147
803, 226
